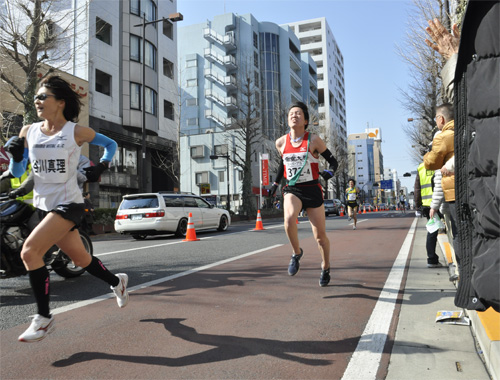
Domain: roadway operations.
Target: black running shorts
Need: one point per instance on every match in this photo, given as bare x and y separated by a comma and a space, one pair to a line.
311, 194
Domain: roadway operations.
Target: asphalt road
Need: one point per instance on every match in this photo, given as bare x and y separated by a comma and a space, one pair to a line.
212, 308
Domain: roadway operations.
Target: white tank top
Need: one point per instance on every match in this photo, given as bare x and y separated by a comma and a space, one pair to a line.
54, 161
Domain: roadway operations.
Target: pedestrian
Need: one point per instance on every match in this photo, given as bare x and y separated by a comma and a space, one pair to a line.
300, 151
352, 193
53, 147
442, 150
423, 199
472, 75
88, 219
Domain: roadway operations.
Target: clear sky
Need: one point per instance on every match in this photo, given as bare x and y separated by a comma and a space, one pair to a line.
367, 32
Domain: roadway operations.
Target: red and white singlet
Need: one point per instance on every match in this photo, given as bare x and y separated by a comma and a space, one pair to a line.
293, 159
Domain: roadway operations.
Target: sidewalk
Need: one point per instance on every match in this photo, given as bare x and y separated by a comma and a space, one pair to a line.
424, 349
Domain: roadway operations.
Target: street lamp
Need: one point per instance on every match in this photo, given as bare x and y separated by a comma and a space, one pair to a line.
216, 156
173, 17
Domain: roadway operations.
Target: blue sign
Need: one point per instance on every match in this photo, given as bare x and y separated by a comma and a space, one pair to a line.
386, 184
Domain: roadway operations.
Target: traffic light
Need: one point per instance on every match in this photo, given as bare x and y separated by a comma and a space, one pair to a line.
407, 175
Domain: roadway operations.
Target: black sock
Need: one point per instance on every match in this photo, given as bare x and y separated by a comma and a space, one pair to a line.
40, 283
96, 268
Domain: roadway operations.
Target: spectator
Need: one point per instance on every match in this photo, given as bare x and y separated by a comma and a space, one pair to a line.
423, 198
476, 86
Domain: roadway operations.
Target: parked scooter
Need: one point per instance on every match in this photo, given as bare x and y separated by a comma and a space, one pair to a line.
14, 229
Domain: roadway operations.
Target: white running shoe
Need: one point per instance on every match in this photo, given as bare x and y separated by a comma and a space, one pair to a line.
120, 290
353, 227
349, 219
39, 328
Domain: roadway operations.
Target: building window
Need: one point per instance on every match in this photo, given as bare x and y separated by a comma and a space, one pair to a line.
148, 7
221, 150
103, 30
135, 96
192, 83
240, 175
103, 82
197, 151
255, 40
168, 110
168, 29
192, 121
135, 48
168, 68
201, 177
256, 59
191, 63
192, 102
221, 176
150, 59
150, 101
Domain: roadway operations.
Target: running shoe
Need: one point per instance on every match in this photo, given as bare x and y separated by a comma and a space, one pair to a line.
39, 328
435, 265
120, 290
294, 265
353, 227
324, 279
349, 219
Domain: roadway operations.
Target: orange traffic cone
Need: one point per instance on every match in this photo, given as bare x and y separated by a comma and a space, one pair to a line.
364, 209
376, 208
341, 211
191, 233
258, 224
297, 221
359, 210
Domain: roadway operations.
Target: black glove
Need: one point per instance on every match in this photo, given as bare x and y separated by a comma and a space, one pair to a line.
326, 174
15, 146
273, 189
20, 192
94, 172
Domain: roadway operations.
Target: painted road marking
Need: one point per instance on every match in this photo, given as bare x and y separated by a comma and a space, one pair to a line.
77, 305
365, 360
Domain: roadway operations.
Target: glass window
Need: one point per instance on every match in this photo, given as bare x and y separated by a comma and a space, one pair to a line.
103, 31
191, 63
135, 96
168, 110
135, 7
168, 68
221, 150
150, 101
150, 55
192, 102
174, 201
191, 83
201, 203
190, 202
150, 10
102, 82
221, 176
135, 48
144, 201
168, 29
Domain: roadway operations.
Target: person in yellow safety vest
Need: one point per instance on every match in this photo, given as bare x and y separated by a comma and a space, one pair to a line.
423, 199
15, 183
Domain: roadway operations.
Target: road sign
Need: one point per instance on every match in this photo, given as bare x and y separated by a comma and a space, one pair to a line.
386, 184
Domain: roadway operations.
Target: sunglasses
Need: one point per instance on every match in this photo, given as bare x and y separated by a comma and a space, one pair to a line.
42, 97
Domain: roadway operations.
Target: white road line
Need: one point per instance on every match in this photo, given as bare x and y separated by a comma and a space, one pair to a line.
365, 360
77, 305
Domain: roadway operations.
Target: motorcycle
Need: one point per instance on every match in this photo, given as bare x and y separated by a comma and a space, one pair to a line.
14, 229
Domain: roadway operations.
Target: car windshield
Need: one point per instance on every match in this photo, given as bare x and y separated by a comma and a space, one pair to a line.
140, 202
328, 203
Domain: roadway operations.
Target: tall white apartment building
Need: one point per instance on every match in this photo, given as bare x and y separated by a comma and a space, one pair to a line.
316, 38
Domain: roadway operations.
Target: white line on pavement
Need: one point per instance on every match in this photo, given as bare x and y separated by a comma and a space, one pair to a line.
365, 360
160, 280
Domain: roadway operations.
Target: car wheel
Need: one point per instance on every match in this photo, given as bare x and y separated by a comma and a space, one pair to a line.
139, 237
182, 228
223, 223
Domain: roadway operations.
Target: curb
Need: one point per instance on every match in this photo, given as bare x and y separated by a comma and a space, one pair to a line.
485, 324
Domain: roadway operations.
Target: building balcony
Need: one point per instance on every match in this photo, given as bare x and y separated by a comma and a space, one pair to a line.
230, 103
230, 62
295, 63
219, 119
213, 57
209, 94
313, 96
227, 41
296, 81
296, 94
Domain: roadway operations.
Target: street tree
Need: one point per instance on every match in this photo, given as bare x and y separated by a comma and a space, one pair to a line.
33, 33
425, 91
